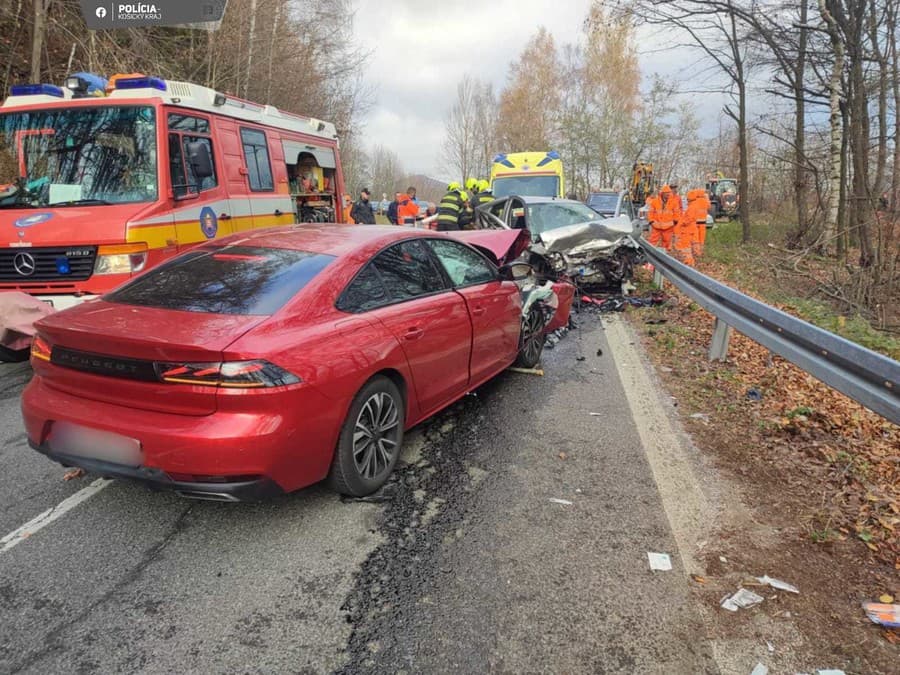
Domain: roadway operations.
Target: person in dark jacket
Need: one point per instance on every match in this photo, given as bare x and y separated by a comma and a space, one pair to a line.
362, 212
392, 209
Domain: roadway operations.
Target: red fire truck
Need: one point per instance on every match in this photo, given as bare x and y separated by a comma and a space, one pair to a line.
96, 186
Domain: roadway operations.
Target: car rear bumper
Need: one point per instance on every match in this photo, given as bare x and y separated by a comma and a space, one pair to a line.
248, 453
157, 479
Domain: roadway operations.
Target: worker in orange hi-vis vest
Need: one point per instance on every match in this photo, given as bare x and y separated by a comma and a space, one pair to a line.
700, 239
661, 215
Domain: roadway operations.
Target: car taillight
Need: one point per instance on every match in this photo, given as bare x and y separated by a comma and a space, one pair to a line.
41, 349
231, 374
125, 259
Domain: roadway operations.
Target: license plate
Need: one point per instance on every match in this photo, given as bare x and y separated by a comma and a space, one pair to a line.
78, 441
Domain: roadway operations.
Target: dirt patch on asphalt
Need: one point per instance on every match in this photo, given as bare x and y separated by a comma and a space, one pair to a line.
820, 476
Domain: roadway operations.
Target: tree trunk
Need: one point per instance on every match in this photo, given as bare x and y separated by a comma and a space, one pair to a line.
895, 84
37, 37
881, 59
800, 189
275, 20
842, 224
830, 228
743, 149
250, 40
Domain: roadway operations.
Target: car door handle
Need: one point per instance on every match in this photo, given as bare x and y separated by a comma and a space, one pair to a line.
224, 216
478, 311
413, 333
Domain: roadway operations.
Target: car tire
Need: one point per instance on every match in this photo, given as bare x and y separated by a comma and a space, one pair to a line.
531, 342
370, 440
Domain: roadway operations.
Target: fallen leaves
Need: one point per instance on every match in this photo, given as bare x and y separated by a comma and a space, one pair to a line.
845, 457
72, 474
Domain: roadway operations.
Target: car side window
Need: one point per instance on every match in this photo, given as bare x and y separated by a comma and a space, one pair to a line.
464, 266
408, 271
402, 272
365, 292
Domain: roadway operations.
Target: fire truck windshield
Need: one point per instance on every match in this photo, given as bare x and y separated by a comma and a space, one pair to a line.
70, 156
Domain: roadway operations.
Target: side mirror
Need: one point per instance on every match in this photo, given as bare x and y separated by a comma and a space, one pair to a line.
515, 271
200, 159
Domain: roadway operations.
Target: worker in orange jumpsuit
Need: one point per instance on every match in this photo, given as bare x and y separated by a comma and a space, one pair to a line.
348, 207
661, 215
700, 239
686, 229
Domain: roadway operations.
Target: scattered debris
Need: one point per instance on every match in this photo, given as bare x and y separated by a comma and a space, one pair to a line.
886, 598
72, 474
660, 561
599, 352
777, 583
760, 669
596, 414
618, 303
830, 671
754, 394
528, 371
581, 358
698, 578
723, 559
703, 417
883, 613
564, 502
742, 599
563, 456
770, 647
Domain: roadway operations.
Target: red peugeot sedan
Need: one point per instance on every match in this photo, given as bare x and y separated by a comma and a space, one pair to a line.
265, 362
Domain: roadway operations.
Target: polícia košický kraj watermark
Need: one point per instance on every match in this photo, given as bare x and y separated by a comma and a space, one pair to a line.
105, 15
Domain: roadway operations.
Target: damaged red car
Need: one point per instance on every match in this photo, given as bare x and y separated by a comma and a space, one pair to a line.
262, 363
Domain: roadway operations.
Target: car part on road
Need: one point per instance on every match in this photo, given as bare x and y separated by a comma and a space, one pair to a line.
527, 371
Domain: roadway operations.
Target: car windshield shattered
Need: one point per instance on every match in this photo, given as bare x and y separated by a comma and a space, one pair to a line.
90, 155
546, 216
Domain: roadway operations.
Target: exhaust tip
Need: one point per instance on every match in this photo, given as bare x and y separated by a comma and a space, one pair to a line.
207, 496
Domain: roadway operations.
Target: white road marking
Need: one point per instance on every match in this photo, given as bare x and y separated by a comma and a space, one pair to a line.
51, 514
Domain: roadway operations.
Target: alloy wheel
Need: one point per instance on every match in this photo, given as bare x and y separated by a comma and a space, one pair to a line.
376, 436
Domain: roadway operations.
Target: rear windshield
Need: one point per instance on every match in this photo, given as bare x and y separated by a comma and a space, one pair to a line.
227, 280
604, 202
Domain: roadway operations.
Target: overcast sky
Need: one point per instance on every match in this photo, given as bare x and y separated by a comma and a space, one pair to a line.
421, 49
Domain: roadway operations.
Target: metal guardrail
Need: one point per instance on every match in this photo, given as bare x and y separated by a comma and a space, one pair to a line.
867, 377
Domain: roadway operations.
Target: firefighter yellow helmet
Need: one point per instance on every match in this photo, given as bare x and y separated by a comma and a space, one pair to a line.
464, 195
483, 186
471, 184
452, 186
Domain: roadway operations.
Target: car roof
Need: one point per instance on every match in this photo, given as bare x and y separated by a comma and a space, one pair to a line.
539, 200
326, 238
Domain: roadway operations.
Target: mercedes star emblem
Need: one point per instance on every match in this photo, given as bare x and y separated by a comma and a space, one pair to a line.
24, 264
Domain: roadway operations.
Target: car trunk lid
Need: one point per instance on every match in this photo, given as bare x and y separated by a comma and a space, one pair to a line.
108, 352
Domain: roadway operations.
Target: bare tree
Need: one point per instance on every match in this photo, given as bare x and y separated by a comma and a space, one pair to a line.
461, 129
715, 28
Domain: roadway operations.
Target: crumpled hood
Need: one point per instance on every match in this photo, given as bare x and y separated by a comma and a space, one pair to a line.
596, 237
503, 245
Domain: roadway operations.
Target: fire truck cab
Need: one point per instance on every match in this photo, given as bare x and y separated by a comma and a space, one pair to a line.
96, 189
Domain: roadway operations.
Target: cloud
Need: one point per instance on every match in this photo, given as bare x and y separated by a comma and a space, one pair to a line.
419, 52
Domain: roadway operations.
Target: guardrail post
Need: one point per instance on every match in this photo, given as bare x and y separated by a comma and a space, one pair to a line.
718, 348
658, 278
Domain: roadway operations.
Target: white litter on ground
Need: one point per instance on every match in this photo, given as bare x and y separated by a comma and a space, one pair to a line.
660, 561
743, 599
564, 502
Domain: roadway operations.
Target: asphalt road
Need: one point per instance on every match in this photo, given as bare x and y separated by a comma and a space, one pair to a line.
464, 564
